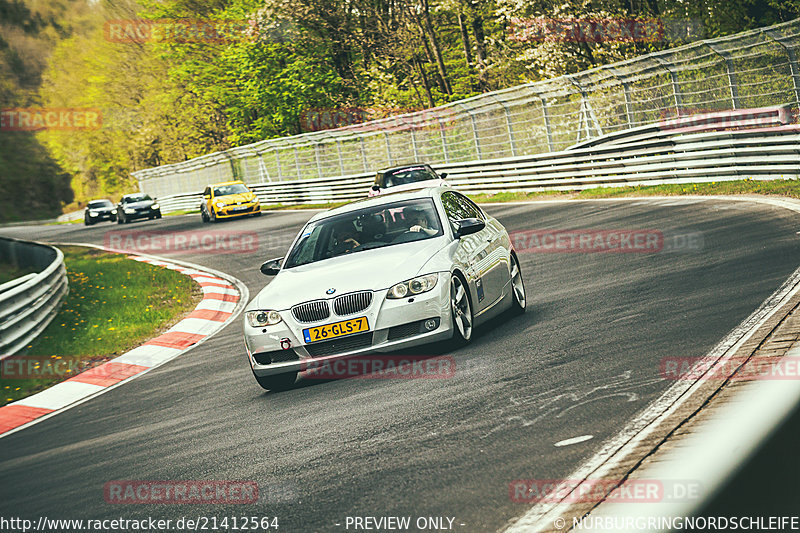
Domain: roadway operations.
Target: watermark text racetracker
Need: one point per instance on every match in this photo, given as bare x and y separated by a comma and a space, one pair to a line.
381, 367
734, 368
50, 366
215, 241
139, 31
618, 241
597, 490
18, 119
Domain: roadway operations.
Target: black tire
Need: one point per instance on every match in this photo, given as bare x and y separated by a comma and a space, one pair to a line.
158, 216
86, 221
278, 382
203, 216
462, 314
212, 217
518, 293
257, 214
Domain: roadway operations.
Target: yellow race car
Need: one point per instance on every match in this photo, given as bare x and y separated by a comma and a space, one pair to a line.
228, 200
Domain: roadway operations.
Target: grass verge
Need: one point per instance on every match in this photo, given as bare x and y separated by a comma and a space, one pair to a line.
790, 188
114, 304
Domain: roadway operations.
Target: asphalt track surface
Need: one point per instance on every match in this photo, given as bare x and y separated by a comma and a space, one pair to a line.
583, 360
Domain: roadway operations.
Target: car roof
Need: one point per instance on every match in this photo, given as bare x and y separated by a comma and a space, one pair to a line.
134, 194
226, 183
401, 167
386, 198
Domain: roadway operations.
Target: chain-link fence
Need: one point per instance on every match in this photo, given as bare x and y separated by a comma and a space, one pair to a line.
752, 69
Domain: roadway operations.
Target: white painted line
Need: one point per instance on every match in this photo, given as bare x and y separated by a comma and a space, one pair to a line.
197, 326
711, 456
220, 290
540, 517
149, 355
60, 395
207, 278
218, 305
574, 440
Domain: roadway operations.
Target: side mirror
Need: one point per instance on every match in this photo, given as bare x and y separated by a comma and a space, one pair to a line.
207, 197
376, 188
443, 175
272, 267
468, 226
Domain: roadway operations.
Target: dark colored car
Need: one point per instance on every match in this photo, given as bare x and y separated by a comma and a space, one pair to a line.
407, 177
137, 205
99, 210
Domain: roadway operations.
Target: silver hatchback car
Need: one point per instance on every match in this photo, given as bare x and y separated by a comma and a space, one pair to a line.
381, 274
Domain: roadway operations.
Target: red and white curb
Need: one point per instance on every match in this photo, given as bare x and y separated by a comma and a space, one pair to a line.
224, 297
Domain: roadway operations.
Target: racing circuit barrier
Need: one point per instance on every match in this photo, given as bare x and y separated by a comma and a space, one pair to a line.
704, 148
753, 69
30, 302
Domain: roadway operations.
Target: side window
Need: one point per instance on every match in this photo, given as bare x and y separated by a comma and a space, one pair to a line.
474, 207
459, 207
451, 207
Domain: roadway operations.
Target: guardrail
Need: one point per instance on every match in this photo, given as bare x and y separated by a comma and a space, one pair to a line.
671, 152
29, 303
751, 69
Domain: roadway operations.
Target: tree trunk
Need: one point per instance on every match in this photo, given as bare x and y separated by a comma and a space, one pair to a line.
428, 52
436, 48
480, 49
425, 83
467, 51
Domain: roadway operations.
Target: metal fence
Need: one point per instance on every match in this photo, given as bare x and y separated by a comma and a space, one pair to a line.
29, 303
752, 69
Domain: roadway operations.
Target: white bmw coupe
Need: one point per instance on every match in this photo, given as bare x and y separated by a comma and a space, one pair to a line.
381, 274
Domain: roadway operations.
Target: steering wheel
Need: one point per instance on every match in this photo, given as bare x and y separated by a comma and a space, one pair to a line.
408, 236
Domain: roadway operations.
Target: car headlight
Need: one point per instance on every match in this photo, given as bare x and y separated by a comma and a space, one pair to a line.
113, 211
155, 206
413, 287
92, 213
130, 211
219, 204
259, 319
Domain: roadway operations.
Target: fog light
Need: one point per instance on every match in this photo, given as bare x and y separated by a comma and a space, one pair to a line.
431, 324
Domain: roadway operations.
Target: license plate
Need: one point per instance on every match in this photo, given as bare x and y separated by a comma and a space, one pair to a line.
339, 329
240, 208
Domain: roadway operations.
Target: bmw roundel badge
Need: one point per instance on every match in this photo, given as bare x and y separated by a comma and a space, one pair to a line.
330, 291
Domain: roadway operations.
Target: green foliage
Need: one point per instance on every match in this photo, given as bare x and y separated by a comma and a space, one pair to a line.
281, 61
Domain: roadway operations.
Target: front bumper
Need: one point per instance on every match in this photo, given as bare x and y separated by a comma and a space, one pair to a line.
393, 326
234, 211
102, 216
143, 213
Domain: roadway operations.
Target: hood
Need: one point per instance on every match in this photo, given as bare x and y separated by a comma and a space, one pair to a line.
368, 270
233, 198
138, 205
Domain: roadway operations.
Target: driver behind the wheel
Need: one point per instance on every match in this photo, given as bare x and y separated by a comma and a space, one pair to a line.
418, 221
344, 237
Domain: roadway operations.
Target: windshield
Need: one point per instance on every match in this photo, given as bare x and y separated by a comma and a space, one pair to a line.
366, 229
225, 190
407, 175
136, 198
99, 203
